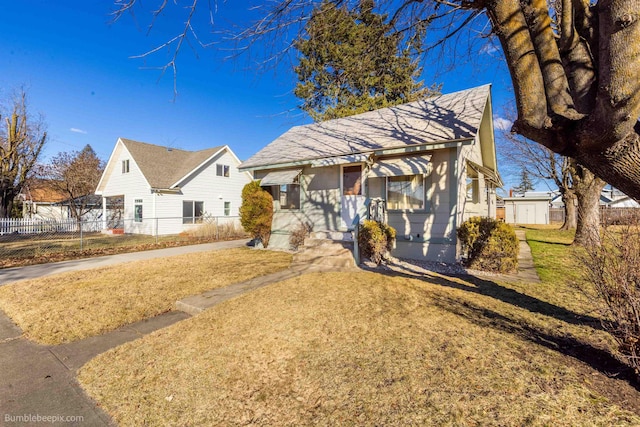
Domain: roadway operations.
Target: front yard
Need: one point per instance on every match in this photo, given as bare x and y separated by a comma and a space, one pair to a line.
75, 305
350, 348
361, 349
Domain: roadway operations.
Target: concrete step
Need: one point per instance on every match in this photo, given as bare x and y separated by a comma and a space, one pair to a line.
323, 260
333, 235
313, 254
311, 242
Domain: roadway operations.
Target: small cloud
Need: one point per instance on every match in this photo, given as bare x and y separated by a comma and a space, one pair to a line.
503, 124
489, 48
76, 130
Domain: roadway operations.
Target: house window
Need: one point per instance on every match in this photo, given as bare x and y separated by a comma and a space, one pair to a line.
472, 189
352, 181
192, 212
227, 208
125, 166
405, 192
288, 195
472, 186
222, 170
137, 210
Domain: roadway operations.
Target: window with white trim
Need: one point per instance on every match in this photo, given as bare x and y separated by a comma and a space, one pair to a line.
287, 195
222, 170
227, 208
473, 186
352, 180
137, 210
405, 192
125, 166
192, 211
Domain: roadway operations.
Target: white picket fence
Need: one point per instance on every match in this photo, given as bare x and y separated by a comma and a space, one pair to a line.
37, 226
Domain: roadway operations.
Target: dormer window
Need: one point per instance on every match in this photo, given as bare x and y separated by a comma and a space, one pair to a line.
125, 166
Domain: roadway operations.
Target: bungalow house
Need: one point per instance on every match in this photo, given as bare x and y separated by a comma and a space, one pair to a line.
424, 167
160, 190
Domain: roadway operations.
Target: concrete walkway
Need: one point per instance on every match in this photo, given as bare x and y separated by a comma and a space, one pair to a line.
14, 274
526, 270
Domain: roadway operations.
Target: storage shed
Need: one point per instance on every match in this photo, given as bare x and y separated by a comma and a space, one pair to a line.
527, 210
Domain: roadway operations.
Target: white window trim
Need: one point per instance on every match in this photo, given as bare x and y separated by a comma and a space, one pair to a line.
424, 195
362, 178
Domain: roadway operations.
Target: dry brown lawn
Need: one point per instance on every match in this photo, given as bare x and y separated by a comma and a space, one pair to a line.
76, 305
367, 349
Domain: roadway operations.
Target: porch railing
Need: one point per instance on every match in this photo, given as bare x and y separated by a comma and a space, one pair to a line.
377, 210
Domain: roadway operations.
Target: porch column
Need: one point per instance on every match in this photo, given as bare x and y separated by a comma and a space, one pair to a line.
104, 213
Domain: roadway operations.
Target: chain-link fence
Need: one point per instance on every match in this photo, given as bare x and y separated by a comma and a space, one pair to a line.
35, 241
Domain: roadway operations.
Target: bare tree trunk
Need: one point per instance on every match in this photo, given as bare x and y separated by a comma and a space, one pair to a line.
588, 192
570, 213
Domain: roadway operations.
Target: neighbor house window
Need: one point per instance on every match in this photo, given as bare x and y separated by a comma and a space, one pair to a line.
137, 210
125, 166
227, 208
405, 192
192, 212
289, 196
222, 170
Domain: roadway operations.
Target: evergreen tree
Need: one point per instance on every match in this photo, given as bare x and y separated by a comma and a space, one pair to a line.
352, 62
526, 184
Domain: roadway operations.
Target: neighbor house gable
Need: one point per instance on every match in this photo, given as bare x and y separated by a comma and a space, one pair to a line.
120, 151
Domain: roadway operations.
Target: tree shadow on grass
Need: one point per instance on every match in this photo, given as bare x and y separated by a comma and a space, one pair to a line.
599, 359
491, 289
547, 242
625, 396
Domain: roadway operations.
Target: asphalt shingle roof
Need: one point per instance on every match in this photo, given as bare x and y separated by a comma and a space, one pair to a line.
162, 166
454, 116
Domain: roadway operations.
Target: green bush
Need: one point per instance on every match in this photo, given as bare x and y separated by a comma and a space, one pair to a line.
489, 245
256, 212
375, 240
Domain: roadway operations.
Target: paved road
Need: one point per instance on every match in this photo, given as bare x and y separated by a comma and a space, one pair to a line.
8, 275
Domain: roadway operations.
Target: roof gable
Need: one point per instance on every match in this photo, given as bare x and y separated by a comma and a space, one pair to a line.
165, 167
451, 117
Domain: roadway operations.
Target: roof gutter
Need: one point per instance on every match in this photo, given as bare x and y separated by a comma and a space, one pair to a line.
382, 152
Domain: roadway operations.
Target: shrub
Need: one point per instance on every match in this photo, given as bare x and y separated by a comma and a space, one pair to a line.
375, 240
299, 234
256, 212
490, 245
612, 270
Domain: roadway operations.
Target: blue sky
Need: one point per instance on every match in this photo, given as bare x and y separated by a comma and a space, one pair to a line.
76, 65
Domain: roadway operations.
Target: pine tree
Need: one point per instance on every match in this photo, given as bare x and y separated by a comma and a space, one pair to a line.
526, 184
351, 62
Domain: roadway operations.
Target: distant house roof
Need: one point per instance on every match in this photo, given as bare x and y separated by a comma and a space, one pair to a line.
451, 117
164, 167
42, 191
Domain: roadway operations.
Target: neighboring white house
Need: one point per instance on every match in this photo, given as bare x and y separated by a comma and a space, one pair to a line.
432, 163
527, 209
162, 190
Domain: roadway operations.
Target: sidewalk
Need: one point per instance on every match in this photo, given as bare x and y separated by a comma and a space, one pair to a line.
14, 274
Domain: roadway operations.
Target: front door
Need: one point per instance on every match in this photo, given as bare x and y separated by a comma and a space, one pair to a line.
352, 187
